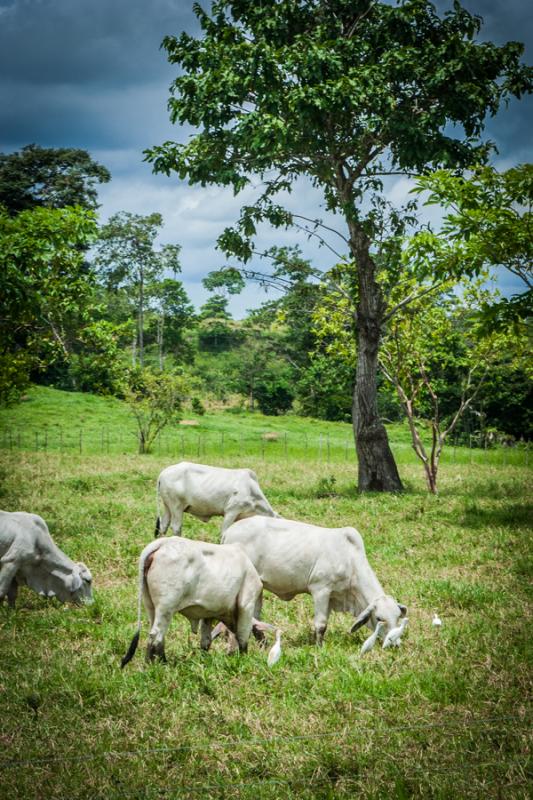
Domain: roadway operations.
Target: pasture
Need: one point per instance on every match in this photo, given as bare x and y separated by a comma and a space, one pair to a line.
445, 715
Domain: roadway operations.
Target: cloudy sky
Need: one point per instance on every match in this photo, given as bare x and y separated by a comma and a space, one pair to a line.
90, 74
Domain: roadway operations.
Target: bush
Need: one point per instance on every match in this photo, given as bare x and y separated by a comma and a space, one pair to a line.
274, 396
197, 406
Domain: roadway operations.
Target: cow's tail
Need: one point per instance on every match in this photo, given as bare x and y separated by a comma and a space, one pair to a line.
142, 574
158, 518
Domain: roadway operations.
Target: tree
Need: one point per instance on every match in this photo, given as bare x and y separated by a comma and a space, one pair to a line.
126, 257
342, 92
155, 401
49, 177
97, 365
489, 224
175, 313
429, 341
44, 284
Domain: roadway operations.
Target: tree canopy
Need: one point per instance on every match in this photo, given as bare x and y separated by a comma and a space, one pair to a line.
49, 177
44, 282
488, 224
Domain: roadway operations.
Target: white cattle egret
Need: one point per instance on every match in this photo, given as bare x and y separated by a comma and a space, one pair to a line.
393, 636
369, 643
275, 651
436, 620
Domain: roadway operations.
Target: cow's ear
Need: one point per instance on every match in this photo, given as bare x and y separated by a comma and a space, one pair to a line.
74, 581
363, 618
403, 609
85, 572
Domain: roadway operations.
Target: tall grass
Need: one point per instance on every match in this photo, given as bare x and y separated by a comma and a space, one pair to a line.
445, 715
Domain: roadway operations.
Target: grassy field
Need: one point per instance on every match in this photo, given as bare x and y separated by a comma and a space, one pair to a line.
446, 715
67, 422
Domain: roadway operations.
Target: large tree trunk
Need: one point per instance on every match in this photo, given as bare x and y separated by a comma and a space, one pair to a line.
377, 468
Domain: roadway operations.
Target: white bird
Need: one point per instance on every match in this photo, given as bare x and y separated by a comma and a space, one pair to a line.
369, 643
393, 636
436, 620
275, 651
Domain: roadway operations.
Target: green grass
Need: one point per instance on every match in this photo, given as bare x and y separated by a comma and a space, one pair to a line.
446, 715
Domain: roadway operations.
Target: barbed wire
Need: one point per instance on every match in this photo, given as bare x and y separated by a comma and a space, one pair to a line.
234, 743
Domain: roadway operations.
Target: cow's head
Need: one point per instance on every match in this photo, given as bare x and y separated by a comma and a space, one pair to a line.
71, 583
81, 584
384, 608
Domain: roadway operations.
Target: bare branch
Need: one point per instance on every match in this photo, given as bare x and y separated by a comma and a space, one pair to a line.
319, 237
411, 298
319, 224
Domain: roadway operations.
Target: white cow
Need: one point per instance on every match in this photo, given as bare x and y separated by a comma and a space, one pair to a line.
330, 564
207, 492
203, 582
28, 555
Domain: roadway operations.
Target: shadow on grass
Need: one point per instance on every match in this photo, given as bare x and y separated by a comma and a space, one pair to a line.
515, 515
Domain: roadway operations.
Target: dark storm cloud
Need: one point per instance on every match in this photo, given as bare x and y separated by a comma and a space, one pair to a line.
108, 42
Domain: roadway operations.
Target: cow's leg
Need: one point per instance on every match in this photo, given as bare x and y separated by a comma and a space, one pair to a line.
205, 633
12, 593
321, 604
258, 634
8, 571
194, 625
244, 627
156, 638
176, 520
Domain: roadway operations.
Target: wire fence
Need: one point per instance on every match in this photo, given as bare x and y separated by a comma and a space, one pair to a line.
504, 772
450, 726
187, 443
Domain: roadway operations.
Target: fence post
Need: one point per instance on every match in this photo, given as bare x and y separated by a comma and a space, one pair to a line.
81, 441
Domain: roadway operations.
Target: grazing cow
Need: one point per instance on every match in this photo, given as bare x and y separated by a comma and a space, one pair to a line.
330, 564
207, 492
203, 582
28, 555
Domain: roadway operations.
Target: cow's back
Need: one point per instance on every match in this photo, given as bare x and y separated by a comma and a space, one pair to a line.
193, 575
20, 525
290, 556
205, 491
